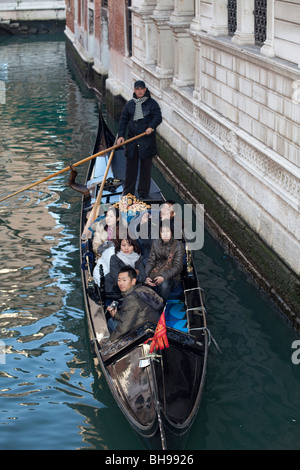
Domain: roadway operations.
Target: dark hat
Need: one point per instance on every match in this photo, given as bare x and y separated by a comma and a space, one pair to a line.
139, 84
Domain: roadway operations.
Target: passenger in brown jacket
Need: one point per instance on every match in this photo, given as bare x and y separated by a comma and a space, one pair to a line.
166, 279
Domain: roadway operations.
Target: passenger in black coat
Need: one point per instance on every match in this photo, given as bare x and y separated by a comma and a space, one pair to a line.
141, 114
127, 253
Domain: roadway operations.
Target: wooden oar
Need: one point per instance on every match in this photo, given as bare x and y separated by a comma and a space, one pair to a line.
94, 212
53, 175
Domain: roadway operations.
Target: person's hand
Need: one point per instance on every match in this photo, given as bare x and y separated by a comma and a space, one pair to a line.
150, 282
120, 140
158, 280
149, 130
112, 311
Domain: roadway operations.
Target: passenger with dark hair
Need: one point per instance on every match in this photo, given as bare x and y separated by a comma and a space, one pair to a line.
165, 261
167, 210
147, 226
106, 230
140, 304
127, 253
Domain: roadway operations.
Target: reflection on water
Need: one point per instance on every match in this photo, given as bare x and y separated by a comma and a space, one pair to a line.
46, 359
49, 396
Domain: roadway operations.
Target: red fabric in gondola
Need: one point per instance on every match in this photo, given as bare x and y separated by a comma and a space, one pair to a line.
159, 340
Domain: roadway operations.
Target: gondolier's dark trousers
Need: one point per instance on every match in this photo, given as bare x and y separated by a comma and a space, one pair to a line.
132, 166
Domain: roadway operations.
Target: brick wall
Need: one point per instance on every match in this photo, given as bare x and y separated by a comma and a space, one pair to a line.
70, 14
116, 38
98, 17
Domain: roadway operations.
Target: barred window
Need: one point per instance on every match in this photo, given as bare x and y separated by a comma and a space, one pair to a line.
129, 27
91, 21
231, 6
260, 21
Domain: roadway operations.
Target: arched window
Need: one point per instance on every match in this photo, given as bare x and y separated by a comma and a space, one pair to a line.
128, 16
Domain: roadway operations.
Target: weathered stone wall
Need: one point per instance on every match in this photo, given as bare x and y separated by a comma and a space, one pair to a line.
33, 10
230, 119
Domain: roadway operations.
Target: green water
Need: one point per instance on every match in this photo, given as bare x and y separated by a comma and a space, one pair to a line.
50, 395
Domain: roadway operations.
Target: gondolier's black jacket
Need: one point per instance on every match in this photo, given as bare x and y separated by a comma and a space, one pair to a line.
146, 146
140, 304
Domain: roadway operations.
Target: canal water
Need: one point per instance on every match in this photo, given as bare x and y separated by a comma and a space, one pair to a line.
50, 394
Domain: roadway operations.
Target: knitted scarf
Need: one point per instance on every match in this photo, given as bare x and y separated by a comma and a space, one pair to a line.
138, 113
129, 259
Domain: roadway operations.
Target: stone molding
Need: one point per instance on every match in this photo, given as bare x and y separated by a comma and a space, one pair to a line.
282, 177
31, 5
279, 175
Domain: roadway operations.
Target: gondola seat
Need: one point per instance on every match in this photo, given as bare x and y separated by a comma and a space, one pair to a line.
181, 325
175, 315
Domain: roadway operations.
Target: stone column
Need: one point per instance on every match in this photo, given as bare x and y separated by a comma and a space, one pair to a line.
147, 5
245, 23
268, 48
146, 35
184, 11
184, 50
165, 40
196, 22
219, 25
197, 87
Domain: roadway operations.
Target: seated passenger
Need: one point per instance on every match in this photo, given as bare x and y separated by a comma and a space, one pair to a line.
148, 226
104, 261
167, 210
147, 229
140, 304
105, 231
127, 253
165, 261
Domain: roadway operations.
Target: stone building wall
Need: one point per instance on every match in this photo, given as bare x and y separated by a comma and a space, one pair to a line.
230, 100
32, 10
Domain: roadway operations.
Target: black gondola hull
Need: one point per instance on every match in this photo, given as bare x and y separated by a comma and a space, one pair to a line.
159, 396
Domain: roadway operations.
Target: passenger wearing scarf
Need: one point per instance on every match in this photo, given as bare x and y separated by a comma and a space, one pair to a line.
141, 114
127, 253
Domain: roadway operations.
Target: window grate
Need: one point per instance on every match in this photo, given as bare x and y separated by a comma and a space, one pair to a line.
260, 21
231, 6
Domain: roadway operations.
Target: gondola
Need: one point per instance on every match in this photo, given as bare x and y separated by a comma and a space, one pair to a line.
158, 393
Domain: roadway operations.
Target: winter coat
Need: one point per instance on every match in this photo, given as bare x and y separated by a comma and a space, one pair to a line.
140, 304
159, 254
105, 262
146, 146
115, 265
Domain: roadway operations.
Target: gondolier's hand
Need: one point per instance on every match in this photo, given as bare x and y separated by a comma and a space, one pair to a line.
120, 140
149, 130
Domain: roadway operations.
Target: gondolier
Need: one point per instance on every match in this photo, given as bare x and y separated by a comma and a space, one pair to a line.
141, 114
